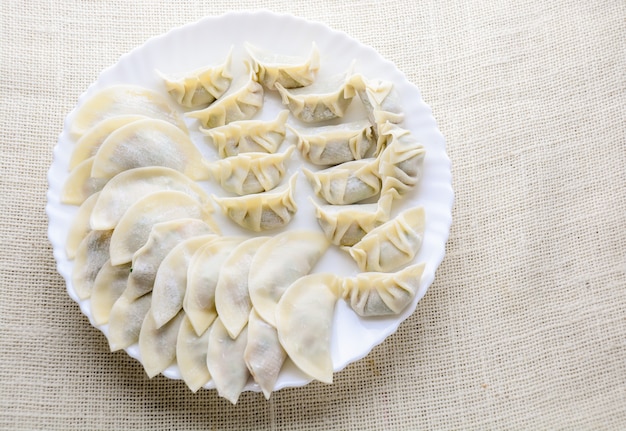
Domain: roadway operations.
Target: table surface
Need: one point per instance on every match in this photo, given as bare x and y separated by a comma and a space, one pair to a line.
524, 326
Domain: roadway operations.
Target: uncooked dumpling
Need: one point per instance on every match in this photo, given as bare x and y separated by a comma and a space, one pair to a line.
392, 244
320, 101
157, 345
249, 173
80, 226
332, 145
288, 71
248, 136
125, 320
108, 286
402, 161
80, 185
191, 353
262, 211
304, 319
148, 143
232, 299
243, 99
226, 363
345, 225
121, 100
382, 294
278, 263
92, 253
202, 277
170, 283
380, 99
200, 87
346, 183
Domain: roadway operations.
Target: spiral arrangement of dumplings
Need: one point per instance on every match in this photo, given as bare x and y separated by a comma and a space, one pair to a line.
148, 253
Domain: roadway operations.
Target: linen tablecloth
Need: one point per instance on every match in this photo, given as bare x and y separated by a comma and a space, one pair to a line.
525, 324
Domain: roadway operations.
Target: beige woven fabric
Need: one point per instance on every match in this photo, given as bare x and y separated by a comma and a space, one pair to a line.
525, 325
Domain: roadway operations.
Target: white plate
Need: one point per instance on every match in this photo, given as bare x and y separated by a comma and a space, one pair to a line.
207, 42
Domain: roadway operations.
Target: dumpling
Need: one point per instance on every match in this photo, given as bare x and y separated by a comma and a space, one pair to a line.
121, 100
157, 345
320, 101
126, 188
345, 225
125, 320
80, 185
382, 294
225, 361
304, 319
88, 144
248, 136
392, 244
148, 143
279, 262
202, 277
250, 172
262, 211
288, 71
134, 227
162, 239
170, 283
232, 300
402, 161
92, 254
242, 100
264, 354
202, 86
80, 226
108, 286
380, 99
347, 183
332, 145
191, 354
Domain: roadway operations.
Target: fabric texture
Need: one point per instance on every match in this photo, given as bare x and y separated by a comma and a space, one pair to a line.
525, 324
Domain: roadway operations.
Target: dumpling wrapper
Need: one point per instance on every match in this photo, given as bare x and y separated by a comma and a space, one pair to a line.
121, 100
243, 99
157, 346
381, 294
148, 143
249, 173
262, 211
80, 226
402, 161
264, 354
133, 229
108, 286
125, 320
323, 100
191, 355
348, 183
304, 319
91, 255
200, 87
88, 144
127, 187
380, 100
80, 185
162, 239
202, 277
170, 283
288, 71
279, 262
225, 361
345, 225
332, 145
232, 299
392, 244
248, 136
